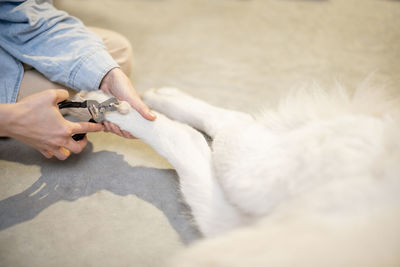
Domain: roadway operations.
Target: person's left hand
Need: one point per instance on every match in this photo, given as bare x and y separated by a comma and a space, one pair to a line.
118, 84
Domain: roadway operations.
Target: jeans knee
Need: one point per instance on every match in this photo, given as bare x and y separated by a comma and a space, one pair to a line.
118, 46
121, 51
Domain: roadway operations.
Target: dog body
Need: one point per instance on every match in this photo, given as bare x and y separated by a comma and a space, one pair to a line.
323, 162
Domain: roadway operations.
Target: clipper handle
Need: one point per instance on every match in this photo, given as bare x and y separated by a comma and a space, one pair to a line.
71, 104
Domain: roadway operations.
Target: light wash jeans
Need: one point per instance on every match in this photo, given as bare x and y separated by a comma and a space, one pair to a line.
57, 45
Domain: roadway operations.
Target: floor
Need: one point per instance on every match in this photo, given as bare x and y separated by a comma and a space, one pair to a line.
117, 203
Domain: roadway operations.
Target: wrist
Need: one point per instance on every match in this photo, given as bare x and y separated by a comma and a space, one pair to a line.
7, 118
108, 80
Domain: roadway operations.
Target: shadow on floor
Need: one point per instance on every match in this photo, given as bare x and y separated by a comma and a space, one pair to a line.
83, 175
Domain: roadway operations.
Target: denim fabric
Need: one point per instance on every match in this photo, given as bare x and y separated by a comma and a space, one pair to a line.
54, 43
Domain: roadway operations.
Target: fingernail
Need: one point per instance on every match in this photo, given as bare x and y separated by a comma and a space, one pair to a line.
152, 114
65, 151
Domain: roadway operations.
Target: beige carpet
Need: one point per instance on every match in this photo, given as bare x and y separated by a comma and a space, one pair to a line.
236, 54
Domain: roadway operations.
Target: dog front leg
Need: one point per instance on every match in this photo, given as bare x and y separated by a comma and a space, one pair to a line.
187, 150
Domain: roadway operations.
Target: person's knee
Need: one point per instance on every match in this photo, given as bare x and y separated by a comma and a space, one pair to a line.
121, 51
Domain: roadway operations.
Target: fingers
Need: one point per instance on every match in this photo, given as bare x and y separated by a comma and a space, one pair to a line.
128, 135
85, 127
76, 146
70, 145
46, 153
61, 153
111, 127
114, 128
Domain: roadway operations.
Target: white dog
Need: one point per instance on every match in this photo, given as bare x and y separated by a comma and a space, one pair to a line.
314, 183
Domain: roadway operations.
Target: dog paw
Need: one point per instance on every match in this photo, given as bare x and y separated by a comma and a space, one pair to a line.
123, 107
168, 91
171, 102
155, 98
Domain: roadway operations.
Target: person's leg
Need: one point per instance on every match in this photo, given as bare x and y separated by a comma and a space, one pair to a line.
34, 82
117, 45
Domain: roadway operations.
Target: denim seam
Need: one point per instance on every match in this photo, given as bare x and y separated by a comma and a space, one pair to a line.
18, 83
104, 72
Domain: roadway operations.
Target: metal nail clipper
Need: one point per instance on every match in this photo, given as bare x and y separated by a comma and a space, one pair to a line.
97, 110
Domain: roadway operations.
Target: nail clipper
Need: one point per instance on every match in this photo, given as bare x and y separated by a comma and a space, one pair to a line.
97, 110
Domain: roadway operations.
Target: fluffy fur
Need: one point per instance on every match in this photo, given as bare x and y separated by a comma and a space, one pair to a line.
314, 182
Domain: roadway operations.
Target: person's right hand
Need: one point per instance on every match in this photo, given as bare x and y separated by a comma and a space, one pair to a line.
37, 121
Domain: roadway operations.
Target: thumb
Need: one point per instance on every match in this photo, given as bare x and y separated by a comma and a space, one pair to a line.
61, 95
142, 108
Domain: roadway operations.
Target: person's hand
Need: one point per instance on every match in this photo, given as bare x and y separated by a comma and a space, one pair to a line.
118, 84
37, 121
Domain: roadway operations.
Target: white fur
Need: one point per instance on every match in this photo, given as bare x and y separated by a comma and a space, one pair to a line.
326, 160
